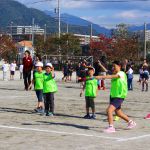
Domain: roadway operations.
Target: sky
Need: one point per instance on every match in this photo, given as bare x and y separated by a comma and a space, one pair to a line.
107, 14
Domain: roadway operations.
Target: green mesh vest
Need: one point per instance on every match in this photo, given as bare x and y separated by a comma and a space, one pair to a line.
119, 86
38, 78
91, 87
49, 84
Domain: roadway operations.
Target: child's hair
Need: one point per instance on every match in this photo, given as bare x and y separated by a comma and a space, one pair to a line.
116, 62
27, 51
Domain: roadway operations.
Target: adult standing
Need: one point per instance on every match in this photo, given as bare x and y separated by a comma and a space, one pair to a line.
27, 67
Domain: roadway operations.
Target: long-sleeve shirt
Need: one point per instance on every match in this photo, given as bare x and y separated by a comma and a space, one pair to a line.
27, 64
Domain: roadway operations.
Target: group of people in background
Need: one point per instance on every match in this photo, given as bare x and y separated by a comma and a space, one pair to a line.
11, 68
91, 77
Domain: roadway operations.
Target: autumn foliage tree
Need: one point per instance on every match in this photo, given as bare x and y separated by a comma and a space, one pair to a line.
8, 48
115, 48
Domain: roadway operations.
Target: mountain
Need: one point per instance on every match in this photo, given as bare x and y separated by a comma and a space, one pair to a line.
77, 21
19, 14
138, 28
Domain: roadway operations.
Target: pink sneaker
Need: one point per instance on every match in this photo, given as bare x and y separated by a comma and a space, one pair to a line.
147, 117
131, 124
110, 130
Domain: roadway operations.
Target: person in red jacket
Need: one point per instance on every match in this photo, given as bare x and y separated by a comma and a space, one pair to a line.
27, 67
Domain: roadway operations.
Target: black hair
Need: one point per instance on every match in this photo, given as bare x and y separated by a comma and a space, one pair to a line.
116, 62
27, 51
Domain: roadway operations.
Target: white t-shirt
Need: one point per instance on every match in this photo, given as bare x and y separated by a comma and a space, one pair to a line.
5, 67
21, 68
130, 71
12, 67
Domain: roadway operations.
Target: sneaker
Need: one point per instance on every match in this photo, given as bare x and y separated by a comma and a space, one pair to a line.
49, 114
147, 117
131, 124
110, 130
93, 116
87, 116
41, 111
37, 109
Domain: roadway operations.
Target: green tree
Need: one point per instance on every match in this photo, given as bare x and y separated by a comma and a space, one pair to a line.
67, 44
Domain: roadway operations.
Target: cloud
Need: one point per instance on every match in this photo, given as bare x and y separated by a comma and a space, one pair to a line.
127, 14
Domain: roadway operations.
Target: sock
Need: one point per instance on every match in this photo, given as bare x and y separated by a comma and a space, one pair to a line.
111, 125
130, 121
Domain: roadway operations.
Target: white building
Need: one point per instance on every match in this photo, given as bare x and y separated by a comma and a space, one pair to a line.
85, 39
141, 35
23, 46
26, 30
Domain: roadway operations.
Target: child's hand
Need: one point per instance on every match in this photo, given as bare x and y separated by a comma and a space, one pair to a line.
30, 87
81, 94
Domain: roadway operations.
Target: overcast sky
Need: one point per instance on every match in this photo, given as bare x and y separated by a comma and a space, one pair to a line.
103, 13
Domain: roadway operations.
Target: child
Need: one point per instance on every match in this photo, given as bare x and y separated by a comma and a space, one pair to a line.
141, 74
12, 69
130, 77
118, 93
21, 71
5, 69
38, 86
90, 87
145, 78
49, 88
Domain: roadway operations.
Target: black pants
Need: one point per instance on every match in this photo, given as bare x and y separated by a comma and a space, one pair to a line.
49, 102
27, 79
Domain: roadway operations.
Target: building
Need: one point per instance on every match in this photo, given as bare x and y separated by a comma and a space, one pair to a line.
18, 33
23, 46
26, 30
142, 36
85, 39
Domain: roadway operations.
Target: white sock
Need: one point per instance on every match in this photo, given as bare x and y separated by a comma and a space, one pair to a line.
111, 125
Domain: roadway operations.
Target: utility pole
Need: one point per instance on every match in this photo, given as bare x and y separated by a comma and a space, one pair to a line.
91, 31
67, 28
33, 32
59, 31
45, 33
11, 28
144, 40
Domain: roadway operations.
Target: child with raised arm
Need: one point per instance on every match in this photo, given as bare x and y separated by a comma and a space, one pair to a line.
118, 93
49, 89
90, 87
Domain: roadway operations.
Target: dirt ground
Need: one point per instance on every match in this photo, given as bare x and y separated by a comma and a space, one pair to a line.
21, 128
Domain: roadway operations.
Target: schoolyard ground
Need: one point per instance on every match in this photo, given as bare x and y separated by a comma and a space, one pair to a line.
21, 128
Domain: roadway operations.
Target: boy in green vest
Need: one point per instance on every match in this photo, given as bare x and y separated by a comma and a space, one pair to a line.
38, 86
49, 88
90, 86
118, 93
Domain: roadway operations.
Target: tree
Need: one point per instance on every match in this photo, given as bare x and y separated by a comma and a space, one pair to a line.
115, 48
67, 44
8, 49
103, 46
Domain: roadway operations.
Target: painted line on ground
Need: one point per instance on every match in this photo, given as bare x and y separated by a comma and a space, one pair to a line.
133, 138
59, 132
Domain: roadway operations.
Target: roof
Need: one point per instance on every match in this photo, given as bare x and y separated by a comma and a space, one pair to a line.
25, 44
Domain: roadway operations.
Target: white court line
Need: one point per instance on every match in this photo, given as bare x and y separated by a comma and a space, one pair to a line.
58, 132
133, 138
